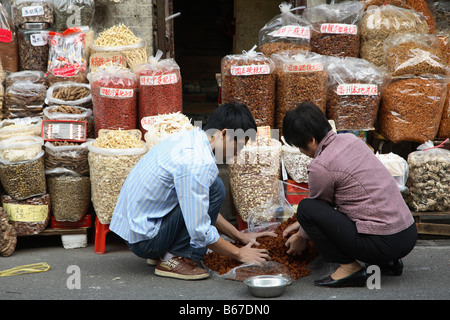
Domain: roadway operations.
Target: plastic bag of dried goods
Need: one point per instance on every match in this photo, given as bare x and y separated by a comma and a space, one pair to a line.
414, 54
354, 93
111, 158
286, 31
444, 126
381, 22
20, 127
397, 166
335, 28
29, 216
114, 92
9, 52
411, 108
295, 162
253, 175
428, 180
20, 148
249, 78
160, 89
301, 76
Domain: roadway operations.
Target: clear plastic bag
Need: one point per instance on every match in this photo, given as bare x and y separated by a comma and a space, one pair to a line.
254, 177
335, 28
444, 126
73, 94
20, 148
354, 93
414, 54
301, 76
381, 22
249, 78
286, 31
32, 76
411, 108
70, 196
295, 162
71, 159
114, 98
67, 56
20, 127
108, 170
9, 49
397, 166
24, 11
160, 87
428, 180
24, 179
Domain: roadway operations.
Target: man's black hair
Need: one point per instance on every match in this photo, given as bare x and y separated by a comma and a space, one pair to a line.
231, 116
304, 123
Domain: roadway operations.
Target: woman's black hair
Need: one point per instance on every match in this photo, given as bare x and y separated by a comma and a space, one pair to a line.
231, 116
304, 123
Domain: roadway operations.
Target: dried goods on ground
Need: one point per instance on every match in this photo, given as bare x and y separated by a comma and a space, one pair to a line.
294, 266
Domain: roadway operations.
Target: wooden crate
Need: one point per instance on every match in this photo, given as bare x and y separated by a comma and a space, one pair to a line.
441, 229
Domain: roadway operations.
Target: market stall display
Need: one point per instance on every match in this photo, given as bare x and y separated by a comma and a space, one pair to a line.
286, 31
70, 94
25, 99
160, 89
25, 11
67, 157
335, 28
249, 78
111, 158
301, 76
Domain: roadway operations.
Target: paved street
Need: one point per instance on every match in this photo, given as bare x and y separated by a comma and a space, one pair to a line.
119, 274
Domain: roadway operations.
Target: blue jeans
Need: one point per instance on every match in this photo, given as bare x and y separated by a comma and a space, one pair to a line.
173, 236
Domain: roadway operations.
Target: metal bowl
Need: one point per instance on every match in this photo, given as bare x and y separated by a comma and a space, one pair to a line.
266, 286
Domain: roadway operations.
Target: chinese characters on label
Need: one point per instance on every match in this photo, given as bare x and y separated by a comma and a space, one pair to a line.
301, 67
32, 11
250, 70
339, 28
38, 39
159, 80
357, 89
116, 92
292, 32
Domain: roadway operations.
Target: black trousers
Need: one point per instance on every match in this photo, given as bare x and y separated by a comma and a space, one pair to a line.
337, 240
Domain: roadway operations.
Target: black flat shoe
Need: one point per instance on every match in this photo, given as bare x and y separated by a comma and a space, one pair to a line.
357, 279
394, 267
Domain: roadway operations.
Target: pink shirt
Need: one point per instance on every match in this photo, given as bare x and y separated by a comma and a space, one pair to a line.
346, 174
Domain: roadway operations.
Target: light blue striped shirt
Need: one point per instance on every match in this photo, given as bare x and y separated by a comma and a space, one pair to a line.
178, 170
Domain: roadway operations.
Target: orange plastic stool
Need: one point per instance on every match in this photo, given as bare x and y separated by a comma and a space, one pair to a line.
101, 230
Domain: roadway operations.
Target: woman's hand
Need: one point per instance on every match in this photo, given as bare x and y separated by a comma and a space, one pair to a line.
246, 238
295, 244
293, 227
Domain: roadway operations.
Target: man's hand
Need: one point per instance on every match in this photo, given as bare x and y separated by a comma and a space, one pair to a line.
295, 244
248, 254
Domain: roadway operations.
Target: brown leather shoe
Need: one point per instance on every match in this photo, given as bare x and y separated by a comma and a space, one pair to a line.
180, 268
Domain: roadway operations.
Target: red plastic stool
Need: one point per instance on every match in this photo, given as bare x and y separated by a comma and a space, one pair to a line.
101, 230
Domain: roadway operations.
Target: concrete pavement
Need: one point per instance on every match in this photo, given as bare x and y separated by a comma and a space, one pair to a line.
119, 274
